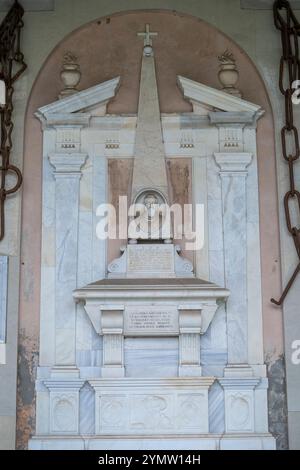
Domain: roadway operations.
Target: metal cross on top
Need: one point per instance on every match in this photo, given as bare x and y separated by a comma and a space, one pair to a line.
147, 35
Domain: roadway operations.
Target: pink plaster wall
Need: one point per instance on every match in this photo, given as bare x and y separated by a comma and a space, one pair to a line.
119, 184
107, 48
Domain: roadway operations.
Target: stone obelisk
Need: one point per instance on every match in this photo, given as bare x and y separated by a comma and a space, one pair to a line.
149, 170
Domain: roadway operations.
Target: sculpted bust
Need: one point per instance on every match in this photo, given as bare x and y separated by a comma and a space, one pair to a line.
151, 205
149, 217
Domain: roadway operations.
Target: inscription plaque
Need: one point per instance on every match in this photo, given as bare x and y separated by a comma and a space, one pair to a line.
156, 260
151, 321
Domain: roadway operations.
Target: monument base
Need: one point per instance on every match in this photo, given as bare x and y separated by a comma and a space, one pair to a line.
192, 442
155, 406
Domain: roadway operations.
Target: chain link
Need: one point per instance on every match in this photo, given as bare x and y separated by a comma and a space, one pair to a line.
289, 71
12, 65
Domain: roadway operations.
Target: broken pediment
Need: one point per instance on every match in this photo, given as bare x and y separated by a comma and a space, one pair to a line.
93, 101
205, 99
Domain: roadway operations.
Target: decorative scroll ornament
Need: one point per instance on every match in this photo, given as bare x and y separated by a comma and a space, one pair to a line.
289, 27
12, 66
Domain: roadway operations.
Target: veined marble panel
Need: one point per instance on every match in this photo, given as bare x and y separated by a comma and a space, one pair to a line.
66, 249
235, 249
85, 245
86, 187
254, 288
83, 330
216, 408
87, 410
3, 297
89, 358
47, 302
99, 197
151, 357
217, 337
199, 185
47, 326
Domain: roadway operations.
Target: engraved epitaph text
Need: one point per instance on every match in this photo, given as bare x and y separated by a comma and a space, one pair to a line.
151, 321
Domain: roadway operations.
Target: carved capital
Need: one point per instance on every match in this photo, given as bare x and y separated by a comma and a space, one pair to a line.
67, 164
233, 164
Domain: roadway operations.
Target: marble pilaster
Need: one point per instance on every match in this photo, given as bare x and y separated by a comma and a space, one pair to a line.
233, 173
67, 173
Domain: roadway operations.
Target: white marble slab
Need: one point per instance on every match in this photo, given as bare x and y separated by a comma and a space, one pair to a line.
151, 357
3, 296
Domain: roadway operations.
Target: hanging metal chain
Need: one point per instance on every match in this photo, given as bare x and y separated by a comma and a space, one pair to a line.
12, 65
287, 23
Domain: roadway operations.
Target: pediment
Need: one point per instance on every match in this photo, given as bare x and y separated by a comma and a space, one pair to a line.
205, 99
92, 100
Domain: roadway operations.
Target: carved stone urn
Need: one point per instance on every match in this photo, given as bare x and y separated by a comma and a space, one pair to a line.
70, 75
228, 73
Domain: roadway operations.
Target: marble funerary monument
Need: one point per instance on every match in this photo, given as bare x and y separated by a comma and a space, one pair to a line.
140, 352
